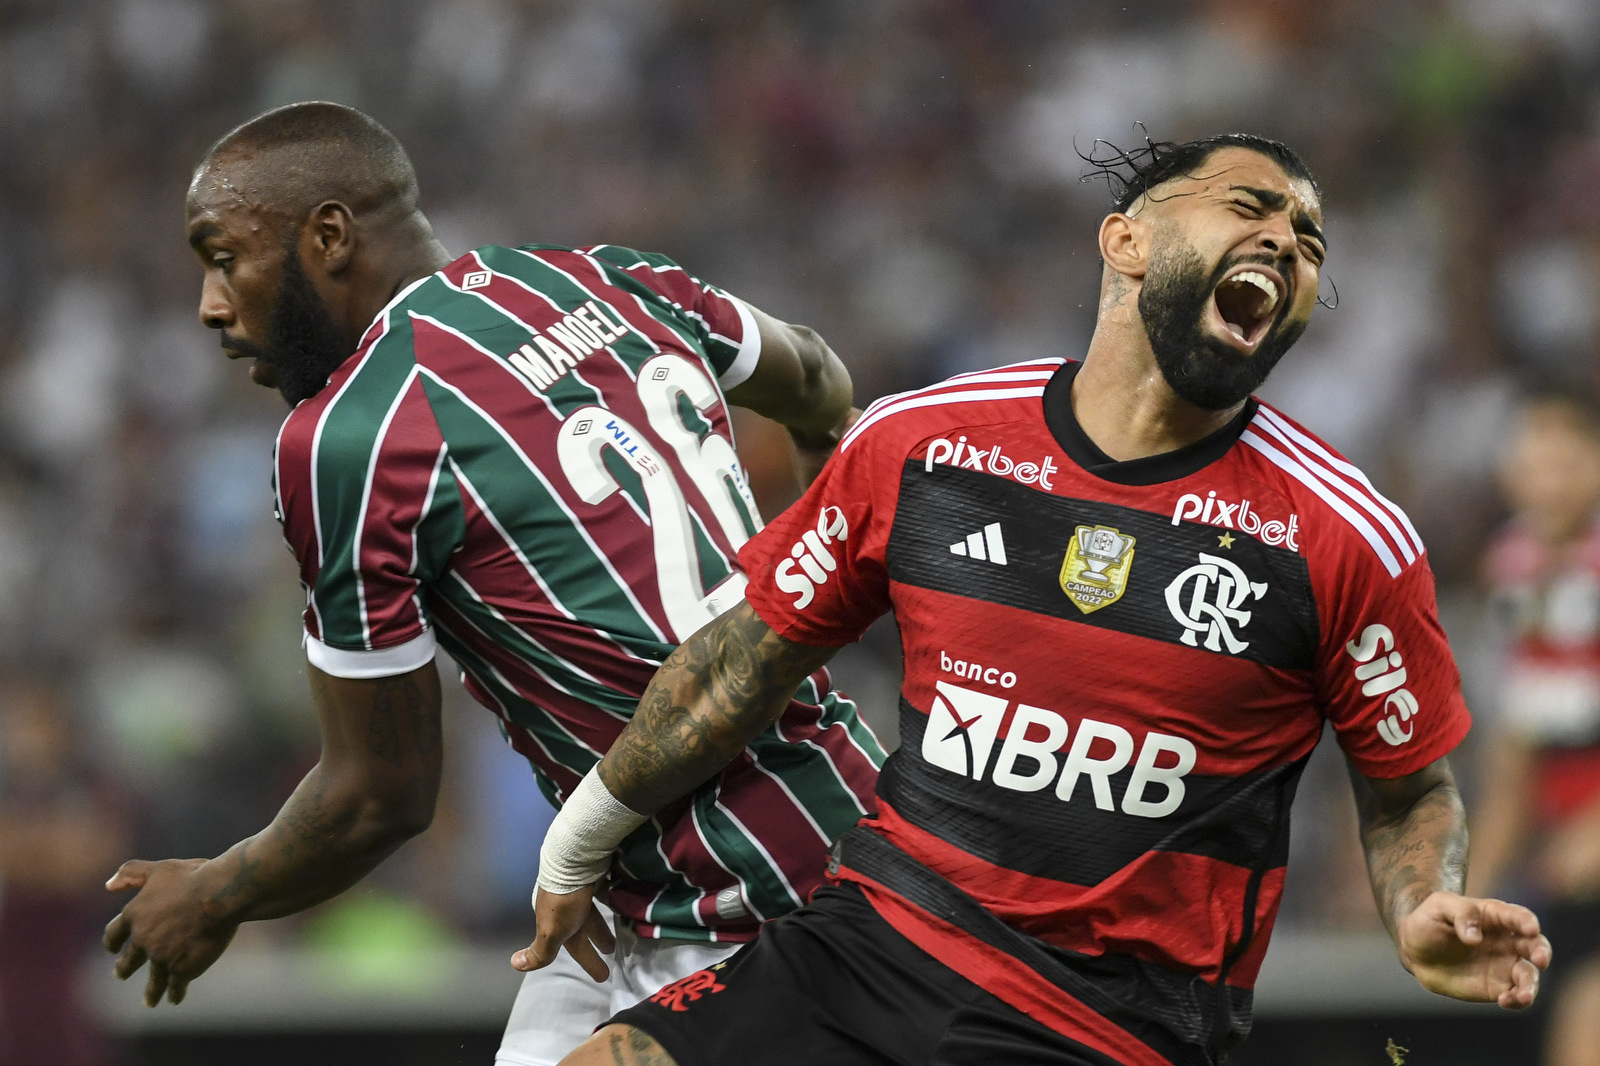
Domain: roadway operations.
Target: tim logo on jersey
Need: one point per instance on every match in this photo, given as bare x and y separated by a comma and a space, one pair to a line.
811, 558
1382, 672
963, 726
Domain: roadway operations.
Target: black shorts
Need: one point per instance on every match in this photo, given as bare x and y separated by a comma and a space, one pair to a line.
833, 983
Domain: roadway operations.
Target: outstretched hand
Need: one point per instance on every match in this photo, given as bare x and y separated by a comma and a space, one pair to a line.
164, 924
1479, 950
570, 919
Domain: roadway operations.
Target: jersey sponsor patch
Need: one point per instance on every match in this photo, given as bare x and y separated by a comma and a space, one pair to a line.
964, 725
1251, 600
965, 456
811, 558
1381, 670
1237, 514
1013, 814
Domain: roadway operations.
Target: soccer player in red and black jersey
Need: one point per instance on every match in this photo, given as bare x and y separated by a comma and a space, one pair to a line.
1129, 595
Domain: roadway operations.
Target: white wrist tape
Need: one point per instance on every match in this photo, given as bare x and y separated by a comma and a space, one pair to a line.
580, 842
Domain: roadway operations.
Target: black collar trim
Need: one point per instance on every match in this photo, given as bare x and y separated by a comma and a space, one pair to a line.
1152, 469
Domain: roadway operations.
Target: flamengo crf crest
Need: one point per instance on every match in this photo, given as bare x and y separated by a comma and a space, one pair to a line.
1095, 571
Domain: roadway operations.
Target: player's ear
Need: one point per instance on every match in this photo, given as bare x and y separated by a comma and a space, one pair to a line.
1125, 244
331, 233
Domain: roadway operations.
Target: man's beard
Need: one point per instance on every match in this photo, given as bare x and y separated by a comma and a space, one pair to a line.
1204, 370
304, 345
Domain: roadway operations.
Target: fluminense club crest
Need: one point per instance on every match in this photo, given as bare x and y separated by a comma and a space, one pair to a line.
1095, 571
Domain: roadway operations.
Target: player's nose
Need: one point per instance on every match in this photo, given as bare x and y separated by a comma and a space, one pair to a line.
1275, 236
215, 310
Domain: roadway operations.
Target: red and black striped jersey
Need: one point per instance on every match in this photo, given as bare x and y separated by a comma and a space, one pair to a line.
1114, 674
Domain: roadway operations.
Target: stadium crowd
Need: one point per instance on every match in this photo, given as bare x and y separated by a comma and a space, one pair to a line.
902, 175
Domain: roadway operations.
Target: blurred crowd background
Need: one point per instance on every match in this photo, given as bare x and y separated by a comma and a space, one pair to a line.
902, 175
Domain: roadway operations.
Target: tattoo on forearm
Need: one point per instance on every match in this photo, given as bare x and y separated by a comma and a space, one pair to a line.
1416, 853
715, 693
636, 1048
245, 879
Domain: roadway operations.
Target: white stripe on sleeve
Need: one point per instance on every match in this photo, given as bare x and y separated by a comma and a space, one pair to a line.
383, 662
744, 364
1297, 471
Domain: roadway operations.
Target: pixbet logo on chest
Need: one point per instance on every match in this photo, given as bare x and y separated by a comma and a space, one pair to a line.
810, 560
1242, 516
964, 725
964, 456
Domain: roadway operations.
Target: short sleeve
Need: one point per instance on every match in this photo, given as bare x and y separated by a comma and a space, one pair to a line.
1386, 678
370, 511
722, 323
818, 572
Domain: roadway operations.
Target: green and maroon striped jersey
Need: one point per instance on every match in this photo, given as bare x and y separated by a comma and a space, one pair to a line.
528, 461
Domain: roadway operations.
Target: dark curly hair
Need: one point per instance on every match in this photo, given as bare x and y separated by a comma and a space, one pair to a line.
1131, 173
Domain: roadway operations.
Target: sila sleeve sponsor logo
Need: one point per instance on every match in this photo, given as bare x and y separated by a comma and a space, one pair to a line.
963, 727
1382, 671
811, 559
964, 456
1241, 516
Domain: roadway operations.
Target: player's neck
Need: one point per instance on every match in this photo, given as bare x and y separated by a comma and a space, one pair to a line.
1124, 405
391, 271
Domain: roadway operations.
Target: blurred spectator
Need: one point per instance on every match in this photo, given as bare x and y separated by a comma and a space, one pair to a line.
61, 833
1537, 833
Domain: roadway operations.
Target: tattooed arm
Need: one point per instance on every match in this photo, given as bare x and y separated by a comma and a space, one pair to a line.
373, 789
1414, 831
712, 696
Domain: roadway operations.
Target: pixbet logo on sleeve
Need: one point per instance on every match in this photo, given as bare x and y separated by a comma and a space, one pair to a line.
810, 560
1382, 673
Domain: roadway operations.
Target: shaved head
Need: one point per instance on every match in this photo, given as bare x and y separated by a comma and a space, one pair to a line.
290, 159
306, 221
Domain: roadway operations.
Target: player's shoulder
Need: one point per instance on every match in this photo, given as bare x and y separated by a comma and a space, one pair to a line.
898, 423
631, 259
1342, 513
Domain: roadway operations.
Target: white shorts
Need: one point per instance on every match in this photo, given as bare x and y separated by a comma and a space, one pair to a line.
558, 1007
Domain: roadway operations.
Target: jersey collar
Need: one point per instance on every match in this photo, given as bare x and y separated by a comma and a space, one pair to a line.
1152, 469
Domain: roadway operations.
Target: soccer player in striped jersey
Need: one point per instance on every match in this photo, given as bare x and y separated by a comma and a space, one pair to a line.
521, 455
1130, 596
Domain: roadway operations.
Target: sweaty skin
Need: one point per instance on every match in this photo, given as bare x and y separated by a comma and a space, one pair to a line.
725, 684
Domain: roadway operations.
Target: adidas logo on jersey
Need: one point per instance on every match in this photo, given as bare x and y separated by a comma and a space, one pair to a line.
1382, 672
963, 726
986, 545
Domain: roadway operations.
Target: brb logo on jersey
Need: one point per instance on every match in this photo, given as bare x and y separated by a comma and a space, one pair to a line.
964, 725
1208, 599
810, 560
1382, 672
964, 456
